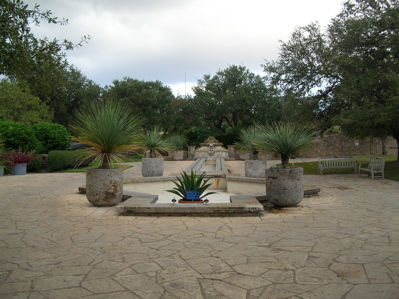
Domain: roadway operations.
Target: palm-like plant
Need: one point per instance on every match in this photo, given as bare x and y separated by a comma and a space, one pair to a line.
192, 182
153, 143
178, 142
109, 128
284, 139
246, 141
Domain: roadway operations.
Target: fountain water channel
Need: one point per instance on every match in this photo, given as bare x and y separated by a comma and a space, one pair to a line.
235, 195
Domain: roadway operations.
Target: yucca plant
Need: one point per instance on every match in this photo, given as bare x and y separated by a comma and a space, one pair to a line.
192, 182
246, 141
284, 139
154, 142
110, 129
178, 142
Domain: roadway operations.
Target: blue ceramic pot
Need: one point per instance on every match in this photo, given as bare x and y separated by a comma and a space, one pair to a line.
192, 195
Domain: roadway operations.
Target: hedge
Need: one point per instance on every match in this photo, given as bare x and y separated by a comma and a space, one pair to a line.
61, 160
18, 136
52, 136
37, 164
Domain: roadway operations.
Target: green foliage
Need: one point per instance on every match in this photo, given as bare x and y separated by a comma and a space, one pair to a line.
1, 151
109, 128
178, 142
154, 143
18, 136
60, 160
17, 104
37, 164
391, 167
151, 99
52, 136
25, 57
347, 75
284, 139
234, 97
73, 91
196, 135
247, 138
192, 182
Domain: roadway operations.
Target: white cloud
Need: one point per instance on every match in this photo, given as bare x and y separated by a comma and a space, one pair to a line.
173, 40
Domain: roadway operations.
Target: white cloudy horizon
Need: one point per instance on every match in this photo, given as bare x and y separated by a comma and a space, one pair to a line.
177, 41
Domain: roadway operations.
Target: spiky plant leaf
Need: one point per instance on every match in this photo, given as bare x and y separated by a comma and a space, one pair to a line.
154, 142
109, 128
285, 139
192, 182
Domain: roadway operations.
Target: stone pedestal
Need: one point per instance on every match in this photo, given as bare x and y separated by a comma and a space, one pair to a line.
152, 167
255, 168
190, 152
232, 152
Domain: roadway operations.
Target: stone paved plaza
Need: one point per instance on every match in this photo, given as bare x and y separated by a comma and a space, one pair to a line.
343, 243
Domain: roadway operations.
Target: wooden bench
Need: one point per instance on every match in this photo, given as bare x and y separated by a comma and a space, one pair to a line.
336, 162
375, 165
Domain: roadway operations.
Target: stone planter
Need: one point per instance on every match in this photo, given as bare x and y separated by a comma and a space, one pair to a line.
255, 168
19, 169
152, 167
178, 155
104, 187
284, 187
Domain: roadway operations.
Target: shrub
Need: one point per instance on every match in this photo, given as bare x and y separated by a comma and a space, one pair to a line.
18, 136
61, 160
52, 136
37, 164
15, 157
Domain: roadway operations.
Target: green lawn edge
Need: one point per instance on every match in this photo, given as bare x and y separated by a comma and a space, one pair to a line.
391, 167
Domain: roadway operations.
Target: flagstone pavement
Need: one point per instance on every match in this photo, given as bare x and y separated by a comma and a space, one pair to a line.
343, 243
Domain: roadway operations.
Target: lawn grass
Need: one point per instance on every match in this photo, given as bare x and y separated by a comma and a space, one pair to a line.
391, 167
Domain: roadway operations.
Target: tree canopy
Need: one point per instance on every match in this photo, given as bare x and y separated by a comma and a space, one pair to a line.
235, 97
22, 55
18, 105
152, 99
349, 73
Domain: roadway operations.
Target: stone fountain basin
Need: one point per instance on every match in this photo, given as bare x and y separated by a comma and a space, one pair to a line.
148, 196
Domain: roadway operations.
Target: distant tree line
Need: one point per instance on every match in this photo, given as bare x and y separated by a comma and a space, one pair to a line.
345, 75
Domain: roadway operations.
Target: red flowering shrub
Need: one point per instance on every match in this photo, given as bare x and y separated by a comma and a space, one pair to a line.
15, 157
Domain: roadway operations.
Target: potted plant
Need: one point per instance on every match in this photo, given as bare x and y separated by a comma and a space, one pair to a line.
18, 161
254, 167
111, 130
153, 143
190, 188
284, 185
178, 143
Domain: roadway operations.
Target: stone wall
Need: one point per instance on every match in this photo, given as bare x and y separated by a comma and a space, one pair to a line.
340, 145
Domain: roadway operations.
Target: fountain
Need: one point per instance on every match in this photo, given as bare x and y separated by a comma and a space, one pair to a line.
231, 198
211, 149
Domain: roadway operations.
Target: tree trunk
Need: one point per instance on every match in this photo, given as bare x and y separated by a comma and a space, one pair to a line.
105, 162
284, 160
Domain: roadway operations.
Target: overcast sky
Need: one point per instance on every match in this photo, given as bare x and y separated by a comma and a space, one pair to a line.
177, 41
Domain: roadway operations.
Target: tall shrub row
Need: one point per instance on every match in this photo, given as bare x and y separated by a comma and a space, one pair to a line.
40, 138
45, 138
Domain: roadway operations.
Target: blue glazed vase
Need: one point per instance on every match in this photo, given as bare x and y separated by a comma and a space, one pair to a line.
192, 195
